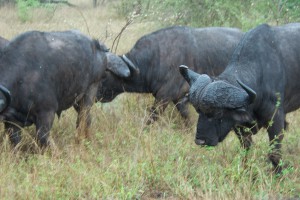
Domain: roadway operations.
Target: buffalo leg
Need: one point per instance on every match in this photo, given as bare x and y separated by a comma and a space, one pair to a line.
83, 109
275, 138
83, 116
182, 107
83, 123
14, 133
158, 107
245, 137
44, 123
77, 108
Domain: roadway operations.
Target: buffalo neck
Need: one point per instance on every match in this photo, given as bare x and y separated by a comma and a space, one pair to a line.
136, 84
140, 82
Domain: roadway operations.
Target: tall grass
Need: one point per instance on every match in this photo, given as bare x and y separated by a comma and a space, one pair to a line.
126, 159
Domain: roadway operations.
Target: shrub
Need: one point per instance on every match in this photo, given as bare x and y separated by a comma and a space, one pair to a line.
24, 7
243, 14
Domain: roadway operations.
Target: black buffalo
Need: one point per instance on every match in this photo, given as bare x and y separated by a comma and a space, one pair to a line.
154, 59
3, 43
258, 87
43, 73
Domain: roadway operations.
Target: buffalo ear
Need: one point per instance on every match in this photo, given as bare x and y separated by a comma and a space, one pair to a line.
241, 116
117, 66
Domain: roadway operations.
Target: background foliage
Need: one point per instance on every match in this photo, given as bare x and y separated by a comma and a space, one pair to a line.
244, 13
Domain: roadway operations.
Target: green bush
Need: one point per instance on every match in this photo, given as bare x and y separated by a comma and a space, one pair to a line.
243, 14
24, 7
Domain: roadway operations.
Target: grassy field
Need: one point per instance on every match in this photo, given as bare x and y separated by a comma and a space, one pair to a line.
126, 159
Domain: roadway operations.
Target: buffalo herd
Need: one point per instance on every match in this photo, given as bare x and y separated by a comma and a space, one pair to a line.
235, 81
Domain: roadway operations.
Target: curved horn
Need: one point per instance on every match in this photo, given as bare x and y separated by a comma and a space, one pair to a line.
221, 94
189, 75
117, 66
251, 93
130, 63
7, 96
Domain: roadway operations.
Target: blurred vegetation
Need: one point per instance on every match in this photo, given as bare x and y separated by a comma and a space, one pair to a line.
243, 14
24, 7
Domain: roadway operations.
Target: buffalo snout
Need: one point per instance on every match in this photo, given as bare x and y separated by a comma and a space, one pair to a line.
199, 141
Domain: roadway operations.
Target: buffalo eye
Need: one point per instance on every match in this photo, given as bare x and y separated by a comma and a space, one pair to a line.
216, 114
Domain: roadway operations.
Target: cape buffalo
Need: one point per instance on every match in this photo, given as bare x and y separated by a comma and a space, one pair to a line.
257, 89
154, 59
43, 73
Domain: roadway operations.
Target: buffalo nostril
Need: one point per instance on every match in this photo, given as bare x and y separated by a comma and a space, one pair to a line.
200, 142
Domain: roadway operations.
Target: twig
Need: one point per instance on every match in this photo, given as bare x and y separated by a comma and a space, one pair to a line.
117, 39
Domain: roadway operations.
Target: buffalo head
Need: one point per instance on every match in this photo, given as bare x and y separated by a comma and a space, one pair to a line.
221, 106
111, 84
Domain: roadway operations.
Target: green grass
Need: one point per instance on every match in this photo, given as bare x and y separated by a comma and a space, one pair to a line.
126, 159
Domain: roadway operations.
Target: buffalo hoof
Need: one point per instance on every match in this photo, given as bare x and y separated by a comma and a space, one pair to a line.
150, 121
200, 142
